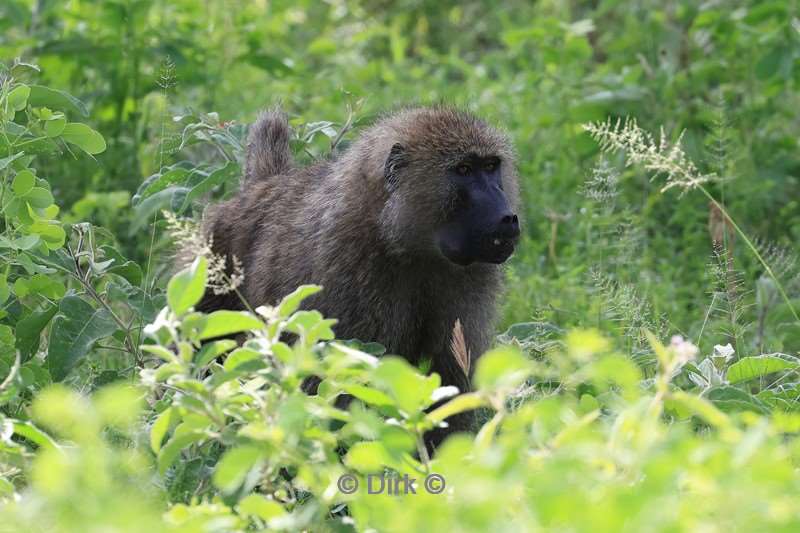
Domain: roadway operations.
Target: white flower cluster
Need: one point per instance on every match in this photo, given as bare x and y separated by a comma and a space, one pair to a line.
190, 241
661, 157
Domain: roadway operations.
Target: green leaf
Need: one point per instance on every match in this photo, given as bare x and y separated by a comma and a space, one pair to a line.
755, 367
5, 161
18, 97
46, 97
55, 127
368, 457
410, 390
39, 197
186, 288
26, 242
169, 452
368, 394
225, 322
23, 183
29, 330
501, 368
145, 211
121, 266
240, 357
234, 467
5, 290
160, 351
212, 350
75, 330
84, 138
218, 177
34, 434
159, 182
291, 302
163, 423
731, 399
269, 63
459, 404
311, 326
261, 507
6, 488
53, 235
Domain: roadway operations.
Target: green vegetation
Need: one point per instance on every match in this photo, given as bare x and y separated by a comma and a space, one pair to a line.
647, 368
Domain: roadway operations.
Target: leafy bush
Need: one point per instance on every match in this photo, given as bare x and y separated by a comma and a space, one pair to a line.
234, 443
122, 407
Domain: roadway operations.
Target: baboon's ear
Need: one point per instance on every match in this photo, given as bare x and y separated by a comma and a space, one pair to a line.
397, 160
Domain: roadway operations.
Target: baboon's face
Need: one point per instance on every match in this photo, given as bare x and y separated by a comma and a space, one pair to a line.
481, 226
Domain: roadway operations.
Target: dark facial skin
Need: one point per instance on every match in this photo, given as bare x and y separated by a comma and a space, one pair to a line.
481, 228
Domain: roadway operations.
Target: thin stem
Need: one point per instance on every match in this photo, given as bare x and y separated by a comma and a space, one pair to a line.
423, 452
755, 251
705, 320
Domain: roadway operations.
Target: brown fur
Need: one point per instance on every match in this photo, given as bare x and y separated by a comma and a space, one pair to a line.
339, 224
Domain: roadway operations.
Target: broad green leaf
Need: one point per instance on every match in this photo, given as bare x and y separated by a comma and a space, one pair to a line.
34, 434
118, 404
240, 357
291, 302
234, 467
5, 161
731, 399
26, 242
371, 457
186, 288
758, 366
160, 181
84, 138
163, 423
46, 97
261, 507
169, 452
225, 322
53, 235
75, 330
6, 488
18, 97
219, 176
501, 368
23, 183
459, 404
212, 350
269, 63
121, 266
311, 326
29, 330
146, 211
55, 127
368, 394
160, 351
410, 390
40, 284
39, 197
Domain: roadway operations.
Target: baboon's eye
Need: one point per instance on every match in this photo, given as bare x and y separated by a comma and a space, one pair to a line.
491, 164
463, 169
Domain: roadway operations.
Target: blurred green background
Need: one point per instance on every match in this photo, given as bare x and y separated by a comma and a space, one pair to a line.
723, 71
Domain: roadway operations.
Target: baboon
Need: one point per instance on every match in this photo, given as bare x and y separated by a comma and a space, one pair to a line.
406, 231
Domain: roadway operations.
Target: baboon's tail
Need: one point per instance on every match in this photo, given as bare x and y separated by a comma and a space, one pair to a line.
268, 152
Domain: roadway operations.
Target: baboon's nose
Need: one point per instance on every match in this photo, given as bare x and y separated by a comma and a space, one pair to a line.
508, 227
